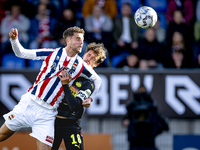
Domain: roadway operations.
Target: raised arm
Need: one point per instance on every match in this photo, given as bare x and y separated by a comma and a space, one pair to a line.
20, 51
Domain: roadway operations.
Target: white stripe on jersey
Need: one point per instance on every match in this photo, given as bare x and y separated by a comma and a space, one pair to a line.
48, 87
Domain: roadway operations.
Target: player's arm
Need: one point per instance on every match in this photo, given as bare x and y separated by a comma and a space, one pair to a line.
74, 103
92, 75
21, 52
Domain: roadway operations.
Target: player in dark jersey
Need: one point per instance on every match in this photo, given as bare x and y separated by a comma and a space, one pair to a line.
70, 111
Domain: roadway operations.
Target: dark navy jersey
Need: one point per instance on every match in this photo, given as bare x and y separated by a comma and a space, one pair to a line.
71, 106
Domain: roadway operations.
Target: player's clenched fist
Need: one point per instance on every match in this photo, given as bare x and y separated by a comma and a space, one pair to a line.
13, 34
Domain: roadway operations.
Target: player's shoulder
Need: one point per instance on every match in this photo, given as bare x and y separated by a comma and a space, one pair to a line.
88, 68
79, 58
88, 84
82, 82
47, 49
58, 48
87, 81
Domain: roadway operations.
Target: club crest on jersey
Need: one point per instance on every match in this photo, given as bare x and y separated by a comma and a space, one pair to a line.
12, 116
72, 70
78, 84
75, 64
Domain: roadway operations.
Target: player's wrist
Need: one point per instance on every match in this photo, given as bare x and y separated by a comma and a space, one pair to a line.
91, 99
13, 39
65, 85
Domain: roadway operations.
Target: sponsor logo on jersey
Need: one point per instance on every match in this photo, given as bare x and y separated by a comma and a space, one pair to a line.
92, 86
53, 66
12, 116
78, 84
61, 67
74, 90
49, 139
83, 94
77, 145
88, 92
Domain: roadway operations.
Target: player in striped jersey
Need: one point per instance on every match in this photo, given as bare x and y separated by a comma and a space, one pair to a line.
70, 111
38, 107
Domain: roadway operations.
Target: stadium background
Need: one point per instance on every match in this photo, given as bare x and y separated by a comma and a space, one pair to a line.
106, 112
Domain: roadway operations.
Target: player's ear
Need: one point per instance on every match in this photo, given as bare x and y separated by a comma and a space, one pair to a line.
67, 39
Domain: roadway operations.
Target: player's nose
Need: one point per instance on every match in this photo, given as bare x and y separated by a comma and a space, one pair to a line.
81, 41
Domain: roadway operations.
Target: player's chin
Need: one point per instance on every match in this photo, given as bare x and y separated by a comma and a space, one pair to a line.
79, 50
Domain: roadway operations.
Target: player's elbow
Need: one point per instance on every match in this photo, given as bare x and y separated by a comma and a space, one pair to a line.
19, 55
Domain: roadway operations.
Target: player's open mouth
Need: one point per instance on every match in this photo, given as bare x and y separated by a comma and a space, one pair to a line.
87, 62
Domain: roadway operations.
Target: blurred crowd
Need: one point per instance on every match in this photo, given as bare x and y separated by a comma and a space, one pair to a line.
174, 42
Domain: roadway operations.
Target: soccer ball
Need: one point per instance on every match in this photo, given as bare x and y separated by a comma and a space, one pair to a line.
145, 17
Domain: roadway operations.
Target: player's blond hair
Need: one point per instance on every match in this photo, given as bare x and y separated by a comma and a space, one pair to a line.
70, 32
99, 50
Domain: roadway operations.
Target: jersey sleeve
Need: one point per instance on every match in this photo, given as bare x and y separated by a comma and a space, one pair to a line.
35, 54
92, 75
86, 90
75, 102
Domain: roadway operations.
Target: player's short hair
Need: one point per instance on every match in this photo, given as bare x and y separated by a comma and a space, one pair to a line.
99, 50
70, 32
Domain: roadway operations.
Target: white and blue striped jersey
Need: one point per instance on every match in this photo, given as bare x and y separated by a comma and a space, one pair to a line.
47, 90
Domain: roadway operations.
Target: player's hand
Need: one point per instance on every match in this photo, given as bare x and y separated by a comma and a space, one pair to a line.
65, 78
86, 103
13, 34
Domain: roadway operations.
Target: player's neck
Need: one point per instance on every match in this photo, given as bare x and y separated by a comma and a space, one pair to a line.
70, 52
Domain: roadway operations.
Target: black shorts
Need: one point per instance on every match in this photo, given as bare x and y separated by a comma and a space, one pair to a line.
70, 132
